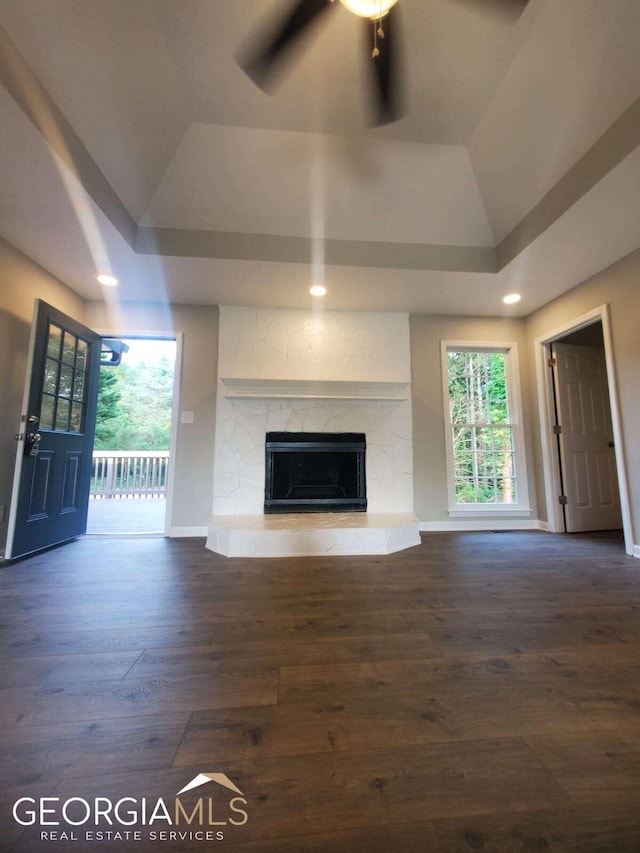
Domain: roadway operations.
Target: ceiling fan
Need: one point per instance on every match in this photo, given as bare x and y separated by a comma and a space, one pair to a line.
262, 63
380, 18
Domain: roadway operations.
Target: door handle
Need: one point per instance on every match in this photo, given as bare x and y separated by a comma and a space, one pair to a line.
31, 443
31, 419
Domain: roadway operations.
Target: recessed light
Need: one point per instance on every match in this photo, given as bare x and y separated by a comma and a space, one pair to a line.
108, 280
511, 298
318, 290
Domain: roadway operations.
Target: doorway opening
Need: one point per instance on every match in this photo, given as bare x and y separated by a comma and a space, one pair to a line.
132, 446
583, 457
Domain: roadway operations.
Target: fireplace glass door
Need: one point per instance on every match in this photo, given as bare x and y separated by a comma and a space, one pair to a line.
315, 472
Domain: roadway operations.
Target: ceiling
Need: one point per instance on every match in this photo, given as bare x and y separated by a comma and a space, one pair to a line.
131, 142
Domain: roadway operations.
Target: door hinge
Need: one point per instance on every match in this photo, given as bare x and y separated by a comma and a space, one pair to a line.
552, 362
557, 429
562, 499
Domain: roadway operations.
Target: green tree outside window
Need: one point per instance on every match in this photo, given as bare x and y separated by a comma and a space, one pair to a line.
482, 435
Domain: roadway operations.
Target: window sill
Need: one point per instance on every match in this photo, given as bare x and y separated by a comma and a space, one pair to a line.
488, 511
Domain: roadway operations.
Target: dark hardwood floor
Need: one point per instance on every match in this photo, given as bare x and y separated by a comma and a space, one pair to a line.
479, 692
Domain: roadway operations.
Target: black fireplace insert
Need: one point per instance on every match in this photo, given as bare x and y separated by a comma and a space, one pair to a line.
315, 472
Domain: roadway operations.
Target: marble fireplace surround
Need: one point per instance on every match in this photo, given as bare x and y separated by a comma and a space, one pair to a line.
297, 371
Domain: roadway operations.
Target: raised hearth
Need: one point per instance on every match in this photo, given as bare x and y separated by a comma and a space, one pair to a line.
312, 534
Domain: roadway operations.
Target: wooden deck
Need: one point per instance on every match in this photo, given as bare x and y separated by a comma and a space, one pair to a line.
126, 515
478, 692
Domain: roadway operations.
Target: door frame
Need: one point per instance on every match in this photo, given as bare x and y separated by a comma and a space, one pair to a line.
546, 407
24, 411
178, 337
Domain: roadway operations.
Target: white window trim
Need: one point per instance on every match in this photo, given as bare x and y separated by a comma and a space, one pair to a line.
521, 508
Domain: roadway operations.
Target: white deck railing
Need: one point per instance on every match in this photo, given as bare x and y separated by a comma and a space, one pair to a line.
129, 473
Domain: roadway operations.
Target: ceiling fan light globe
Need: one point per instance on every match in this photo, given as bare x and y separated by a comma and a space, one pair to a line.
372, 9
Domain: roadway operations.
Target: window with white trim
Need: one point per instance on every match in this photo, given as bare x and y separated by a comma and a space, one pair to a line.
485, 457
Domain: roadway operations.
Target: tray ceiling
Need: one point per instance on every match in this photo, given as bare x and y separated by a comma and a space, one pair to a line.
130, 138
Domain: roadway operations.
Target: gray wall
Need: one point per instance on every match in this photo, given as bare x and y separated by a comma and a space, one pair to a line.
619, 287
429, 452
21, 283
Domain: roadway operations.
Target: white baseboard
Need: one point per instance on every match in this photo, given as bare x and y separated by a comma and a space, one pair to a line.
636, 551
544, 525
187, 532
480, 524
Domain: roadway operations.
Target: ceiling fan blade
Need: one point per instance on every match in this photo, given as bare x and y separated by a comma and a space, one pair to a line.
386, 69
262, 62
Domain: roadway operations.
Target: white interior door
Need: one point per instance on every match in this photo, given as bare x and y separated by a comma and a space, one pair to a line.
587, 453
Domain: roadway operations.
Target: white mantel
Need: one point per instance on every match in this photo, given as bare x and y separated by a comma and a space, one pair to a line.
312, 371
312, 389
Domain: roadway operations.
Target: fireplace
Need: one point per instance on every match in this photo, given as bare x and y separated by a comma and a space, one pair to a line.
315, 472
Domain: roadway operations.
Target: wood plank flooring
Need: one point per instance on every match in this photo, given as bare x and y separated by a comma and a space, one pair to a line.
478, 692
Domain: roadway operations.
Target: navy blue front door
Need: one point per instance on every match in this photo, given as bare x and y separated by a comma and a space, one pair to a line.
56, 438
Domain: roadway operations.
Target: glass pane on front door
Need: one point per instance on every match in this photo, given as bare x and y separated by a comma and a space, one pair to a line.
54, 341
64, 381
